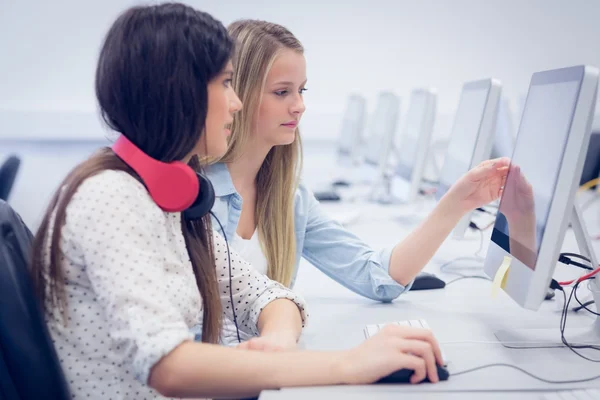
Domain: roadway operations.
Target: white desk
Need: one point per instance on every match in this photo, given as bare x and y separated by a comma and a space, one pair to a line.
459, 315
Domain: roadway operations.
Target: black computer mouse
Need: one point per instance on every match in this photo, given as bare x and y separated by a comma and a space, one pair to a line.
327, 195
341, 183
403, 376
425, 281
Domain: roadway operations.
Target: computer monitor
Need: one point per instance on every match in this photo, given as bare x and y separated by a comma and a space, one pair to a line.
353, 126
537, 203
504, 137
471, 138
380, 136
411, 147
591, 167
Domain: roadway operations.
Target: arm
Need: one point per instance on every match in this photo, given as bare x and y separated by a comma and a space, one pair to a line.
406, 261
342, 255
200, 369
282, 320
480, 185
262, 306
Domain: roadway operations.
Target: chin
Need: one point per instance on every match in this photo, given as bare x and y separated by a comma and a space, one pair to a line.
285, 138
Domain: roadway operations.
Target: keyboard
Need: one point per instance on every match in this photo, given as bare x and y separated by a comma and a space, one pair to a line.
579, 394
371, 330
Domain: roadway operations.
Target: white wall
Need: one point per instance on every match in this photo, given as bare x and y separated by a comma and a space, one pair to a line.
49, 49
48, 52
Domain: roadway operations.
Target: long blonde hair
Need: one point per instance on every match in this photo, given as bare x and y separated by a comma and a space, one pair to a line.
257, 44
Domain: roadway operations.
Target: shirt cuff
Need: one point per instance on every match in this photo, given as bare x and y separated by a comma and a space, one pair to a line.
152, 349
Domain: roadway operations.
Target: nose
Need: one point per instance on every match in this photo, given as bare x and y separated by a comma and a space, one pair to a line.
298, 106
235, 104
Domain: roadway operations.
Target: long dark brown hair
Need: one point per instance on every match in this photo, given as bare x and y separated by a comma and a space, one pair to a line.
151, 85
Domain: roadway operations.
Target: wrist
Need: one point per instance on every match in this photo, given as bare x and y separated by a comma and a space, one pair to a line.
452, 205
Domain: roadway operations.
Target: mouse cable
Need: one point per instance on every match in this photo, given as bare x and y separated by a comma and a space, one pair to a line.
467, 371
460, 278
584, 306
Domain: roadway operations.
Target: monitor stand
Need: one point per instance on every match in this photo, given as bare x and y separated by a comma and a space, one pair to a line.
547, 338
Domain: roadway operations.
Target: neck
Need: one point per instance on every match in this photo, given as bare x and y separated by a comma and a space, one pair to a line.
244, 168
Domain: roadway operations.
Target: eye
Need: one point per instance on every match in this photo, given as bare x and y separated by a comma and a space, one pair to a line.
227, 82
301, 91
281, 92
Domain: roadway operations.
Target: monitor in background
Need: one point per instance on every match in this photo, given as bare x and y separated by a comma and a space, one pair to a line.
380, 136
381, 129
411, 148
471, 138
591, 167
353, 125
504, 137
537, 203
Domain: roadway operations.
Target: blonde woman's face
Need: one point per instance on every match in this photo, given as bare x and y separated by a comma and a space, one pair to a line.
282, 102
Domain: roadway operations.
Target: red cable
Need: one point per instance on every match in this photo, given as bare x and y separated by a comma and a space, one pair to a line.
580, 279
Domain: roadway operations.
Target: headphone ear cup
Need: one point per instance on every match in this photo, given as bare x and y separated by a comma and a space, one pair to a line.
204, 201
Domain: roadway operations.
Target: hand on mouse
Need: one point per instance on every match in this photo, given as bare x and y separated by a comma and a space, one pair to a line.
393, 348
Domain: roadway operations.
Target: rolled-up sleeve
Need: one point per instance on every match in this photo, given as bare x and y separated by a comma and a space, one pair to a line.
122, 237
251, 291
344, 257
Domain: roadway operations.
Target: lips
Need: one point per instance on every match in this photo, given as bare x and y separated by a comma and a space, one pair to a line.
291, 124
227, 129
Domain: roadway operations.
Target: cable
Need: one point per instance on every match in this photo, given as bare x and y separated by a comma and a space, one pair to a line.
589, 184
467, 277
575, 255
448, 263
237, 329
476, 257
563, 324
477, 253
580, 279
565, 259
483, 210
467, 371
584, 305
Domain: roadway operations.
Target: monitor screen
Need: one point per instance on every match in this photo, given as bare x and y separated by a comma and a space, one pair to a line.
463, 137
382, 128
408, 143
504, 136
534, 169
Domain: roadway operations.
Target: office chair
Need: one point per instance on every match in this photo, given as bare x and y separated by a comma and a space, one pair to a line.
8, 173
29, 366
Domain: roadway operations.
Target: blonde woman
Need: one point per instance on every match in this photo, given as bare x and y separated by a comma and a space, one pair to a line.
273, 220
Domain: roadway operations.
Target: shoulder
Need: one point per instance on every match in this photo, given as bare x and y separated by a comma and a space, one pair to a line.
304, 202
111, 192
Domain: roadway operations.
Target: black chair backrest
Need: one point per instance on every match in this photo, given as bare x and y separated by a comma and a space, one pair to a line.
8, 174
29, 366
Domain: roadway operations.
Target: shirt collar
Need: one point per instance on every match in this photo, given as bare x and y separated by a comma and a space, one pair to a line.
219, 176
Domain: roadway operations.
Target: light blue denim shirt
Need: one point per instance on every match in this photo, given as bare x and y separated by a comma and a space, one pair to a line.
338, 253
